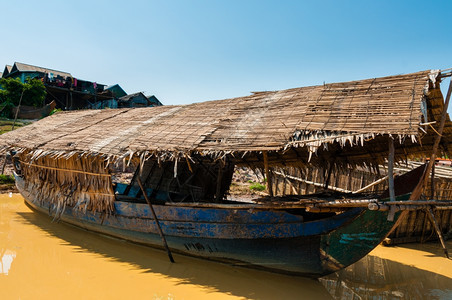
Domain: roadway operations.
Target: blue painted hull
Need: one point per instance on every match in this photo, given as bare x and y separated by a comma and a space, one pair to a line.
271, 240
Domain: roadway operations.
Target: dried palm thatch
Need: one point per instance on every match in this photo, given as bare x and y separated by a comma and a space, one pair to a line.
340, 124
62, 181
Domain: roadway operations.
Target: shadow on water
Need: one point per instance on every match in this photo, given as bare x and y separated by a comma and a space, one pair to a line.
370, 278
378, 278
236, 281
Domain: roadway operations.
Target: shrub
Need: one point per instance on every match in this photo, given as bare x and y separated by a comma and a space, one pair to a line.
4, 179
33, 93
257, 187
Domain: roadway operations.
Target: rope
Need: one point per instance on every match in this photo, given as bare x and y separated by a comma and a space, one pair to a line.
64, 170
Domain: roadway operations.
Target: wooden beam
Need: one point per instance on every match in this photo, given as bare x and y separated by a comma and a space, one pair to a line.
308, 182
432, 183
218, 193
371, 185
392, 211
438, 230
420, 187
391, 170
156, 220
267, 174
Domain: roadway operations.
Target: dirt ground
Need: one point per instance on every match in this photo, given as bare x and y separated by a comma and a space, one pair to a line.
243, 181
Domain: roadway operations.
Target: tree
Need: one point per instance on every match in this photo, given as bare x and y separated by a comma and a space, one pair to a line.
33, 93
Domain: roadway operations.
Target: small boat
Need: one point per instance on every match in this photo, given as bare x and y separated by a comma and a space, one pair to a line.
31, 112
181, 160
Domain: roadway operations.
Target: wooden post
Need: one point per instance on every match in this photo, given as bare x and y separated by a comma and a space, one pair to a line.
419, 188
155, 219
391, 178
328, 176
391, 169
218, 194
438, 230
371, 185
70, 93
432, 183
267, 174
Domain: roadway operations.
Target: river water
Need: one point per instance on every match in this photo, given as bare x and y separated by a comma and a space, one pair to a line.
44, 260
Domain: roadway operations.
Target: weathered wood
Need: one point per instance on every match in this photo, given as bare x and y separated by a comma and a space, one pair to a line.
419, 189
330, 171
218, 193
415, 195
267, 174
438, 231
315, 209
402, 207
391, 170
371, 185
156, 220
308, 182
432, 183
392, 211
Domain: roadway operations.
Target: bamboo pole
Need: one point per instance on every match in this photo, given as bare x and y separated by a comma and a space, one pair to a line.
438, 230
327, 181
267, 174
409, 207
218, 194
391, 170
308, 182
156, 220
392, 211
420, 186
432, 183
371, 185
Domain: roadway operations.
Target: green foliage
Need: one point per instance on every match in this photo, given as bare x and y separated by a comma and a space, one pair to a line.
6, 179
257, 187
11, 89
54, 111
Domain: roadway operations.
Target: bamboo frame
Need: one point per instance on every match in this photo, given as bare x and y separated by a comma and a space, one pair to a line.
305, 119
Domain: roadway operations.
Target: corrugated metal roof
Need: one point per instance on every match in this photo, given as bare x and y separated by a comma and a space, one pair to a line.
6, 70
130, 96
21, 67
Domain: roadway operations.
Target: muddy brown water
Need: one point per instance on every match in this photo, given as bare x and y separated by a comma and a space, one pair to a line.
44, 260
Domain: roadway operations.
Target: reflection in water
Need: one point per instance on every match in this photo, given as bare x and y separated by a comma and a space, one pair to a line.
375, 277
7, 258
60, 261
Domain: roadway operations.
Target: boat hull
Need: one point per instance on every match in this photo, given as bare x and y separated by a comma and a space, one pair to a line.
274, 241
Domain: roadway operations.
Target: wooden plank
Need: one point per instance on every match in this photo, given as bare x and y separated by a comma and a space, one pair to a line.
267, 174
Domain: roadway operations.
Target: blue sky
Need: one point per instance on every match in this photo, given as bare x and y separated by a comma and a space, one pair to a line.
191, 51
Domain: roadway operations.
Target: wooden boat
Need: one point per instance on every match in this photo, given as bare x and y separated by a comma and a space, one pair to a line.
31, 112
261, 236
417, 225
183, 157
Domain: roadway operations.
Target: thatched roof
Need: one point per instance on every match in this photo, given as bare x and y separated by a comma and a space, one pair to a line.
346, 116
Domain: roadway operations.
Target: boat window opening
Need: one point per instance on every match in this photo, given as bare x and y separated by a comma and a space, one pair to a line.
197, 182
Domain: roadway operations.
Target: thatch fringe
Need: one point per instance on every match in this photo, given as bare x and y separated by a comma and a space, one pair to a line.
68, 179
